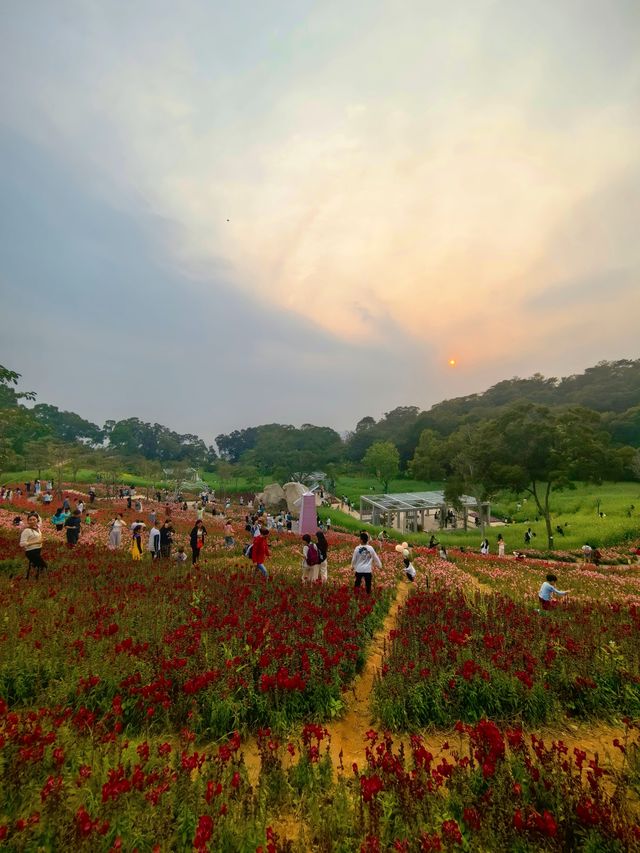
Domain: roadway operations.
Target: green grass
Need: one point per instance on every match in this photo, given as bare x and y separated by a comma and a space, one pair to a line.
352, 487
576, 508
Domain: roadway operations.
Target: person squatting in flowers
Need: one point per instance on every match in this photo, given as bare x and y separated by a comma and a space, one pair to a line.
362, 562
547, 591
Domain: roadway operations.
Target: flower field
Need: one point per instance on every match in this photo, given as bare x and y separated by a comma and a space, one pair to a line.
456, 657
158, 707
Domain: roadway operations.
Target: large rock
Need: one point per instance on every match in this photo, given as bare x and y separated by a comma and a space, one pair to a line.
273, 496
293, 492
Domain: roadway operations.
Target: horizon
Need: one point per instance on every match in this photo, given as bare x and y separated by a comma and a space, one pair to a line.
292, 213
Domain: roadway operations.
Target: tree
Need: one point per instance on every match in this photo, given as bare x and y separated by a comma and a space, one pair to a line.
67, 426
9, 398
427, 462
537, 450
37, 454
383, 460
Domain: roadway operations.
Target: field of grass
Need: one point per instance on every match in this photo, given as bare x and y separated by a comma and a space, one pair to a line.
576, 511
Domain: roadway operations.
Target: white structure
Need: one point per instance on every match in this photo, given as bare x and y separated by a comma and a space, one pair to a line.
410, 510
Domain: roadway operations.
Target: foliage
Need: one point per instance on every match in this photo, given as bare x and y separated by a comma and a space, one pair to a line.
383, 460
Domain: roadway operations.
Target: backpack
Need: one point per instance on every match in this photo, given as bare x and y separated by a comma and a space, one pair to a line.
248, 550
313, 558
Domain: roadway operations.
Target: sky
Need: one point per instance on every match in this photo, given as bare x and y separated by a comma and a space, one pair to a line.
217, 215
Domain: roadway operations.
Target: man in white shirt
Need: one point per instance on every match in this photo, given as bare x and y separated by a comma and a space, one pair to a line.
31, 541
364, 557
154, 543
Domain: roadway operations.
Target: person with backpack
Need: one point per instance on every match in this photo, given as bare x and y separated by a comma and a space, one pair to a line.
362, 562
310, 560
323, 548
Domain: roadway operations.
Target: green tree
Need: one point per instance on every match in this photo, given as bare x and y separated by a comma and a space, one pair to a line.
9, 397
427, 462
383, 460
537, 450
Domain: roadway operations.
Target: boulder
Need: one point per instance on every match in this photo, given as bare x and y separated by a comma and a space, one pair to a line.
273, 497
293, 493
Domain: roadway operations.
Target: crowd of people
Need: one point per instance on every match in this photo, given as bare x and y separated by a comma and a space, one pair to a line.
159, 540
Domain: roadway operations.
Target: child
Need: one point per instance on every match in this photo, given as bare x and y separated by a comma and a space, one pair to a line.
87, 519
547, 591
228, 534
409, 570
180, 555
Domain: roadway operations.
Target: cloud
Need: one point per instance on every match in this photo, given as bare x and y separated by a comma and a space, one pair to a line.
303, 191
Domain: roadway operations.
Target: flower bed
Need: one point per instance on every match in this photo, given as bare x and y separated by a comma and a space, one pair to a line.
456, 658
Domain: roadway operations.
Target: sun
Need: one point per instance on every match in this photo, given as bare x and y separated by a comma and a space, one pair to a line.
452, 362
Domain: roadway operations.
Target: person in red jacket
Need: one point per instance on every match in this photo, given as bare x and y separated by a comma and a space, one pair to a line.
260, 550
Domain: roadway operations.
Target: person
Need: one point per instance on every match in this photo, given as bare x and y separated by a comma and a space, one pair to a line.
229, 541
153, 517
260, 551
92, 495
200, 512
138, 505
587, 550
323, 549
288, 519
73, 525
115, 532
597, 557
59, 518
528, 536
66, 506
47, 498
310, 560
328, 523
129, 501
547, 591
87, 518
196, 540
409, 569
484, 547
433, 542
80, 506
180, 556
136, 542
443, 553
31, 541
501, 545
362, 561
154, 542
166, 538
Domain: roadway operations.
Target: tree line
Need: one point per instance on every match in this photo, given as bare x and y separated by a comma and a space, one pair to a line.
532, 435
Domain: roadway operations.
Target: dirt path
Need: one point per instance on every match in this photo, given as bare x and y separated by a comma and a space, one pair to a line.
347, 733
348, 741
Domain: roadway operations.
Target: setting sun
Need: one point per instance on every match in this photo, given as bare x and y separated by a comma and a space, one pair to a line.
452, 362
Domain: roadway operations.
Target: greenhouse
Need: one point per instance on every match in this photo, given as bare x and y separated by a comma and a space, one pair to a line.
417, 511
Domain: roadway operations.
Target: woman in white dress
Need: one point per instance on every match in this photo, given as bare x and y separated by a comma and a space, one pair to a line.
115, 532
